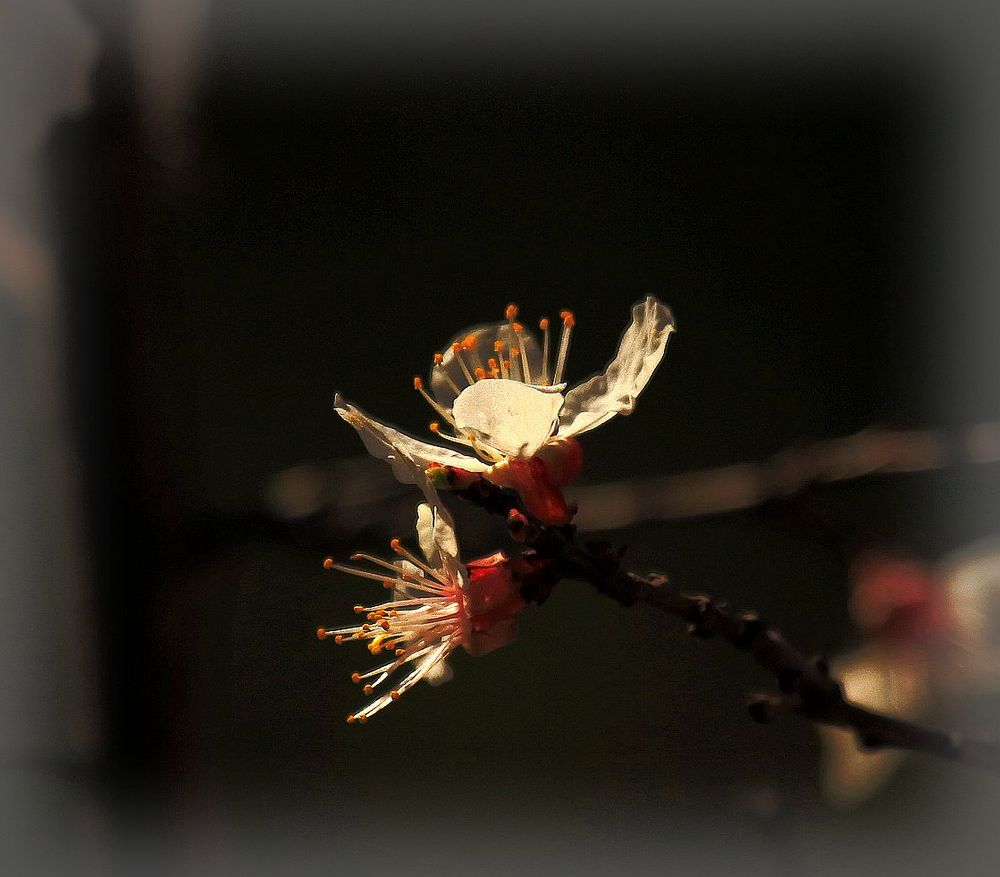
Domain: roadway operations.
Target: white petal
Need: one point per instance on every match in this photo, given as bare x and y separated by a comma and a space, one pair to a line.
401, 591
485, 337
436, 534
602, 397
439, 673
425, 532
512, 417
409, 457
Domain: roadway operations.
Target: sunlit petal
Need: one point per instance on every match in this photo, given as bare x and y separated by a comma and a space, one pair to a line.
614, 392
409, 457
514, 418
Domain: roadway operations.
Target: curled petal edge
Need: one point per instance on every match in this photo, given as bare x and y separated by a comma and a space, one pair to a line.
409, 457
613, 392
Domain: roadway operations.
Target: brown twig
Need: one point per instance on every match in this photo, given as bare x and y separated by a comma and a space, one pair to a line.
808, 688
806, 685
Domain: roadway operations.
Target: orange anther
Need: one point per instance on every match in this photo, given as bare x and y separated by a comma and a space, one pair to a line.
568, 319
543, 323
355, 678
456, 348
517, 327
469, 342
367, 690
362, 719
438, 359
498, 346
418, 382
515, 351
351, 720
434, 426
510, 312
399, 652
492, 363
339, 639
395, 544
320, 633
394, 694
480, 374
384, 625
327, 563
359, 608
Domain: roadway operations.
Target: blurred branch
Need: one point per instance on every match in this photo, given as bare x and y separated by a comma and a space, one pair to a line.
350, 496
872, 451
807, 687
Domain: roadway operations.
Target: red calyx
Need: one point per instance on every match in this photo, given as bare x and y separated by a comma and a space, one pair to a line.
493, 599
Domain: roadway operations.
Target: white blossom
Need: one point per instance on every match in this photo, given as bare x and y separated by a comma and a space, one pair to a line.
512, 402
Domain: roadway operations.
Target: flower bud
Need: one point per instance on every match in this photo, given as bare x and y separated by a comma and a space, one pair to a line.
897, 598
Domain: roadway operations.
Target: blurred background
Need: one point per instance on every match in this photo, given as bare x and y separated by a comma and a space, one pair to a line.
215, 214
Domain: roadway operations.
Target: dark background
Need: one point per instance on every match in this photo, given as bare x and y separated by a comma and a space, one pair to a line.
338, 217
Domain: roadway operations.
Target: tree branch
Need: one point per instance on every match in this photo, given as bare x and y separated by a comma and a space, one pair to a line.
808, 689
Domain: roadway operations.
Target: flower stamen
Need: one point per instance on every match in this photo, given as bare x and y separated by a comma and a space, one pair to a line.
498, 347
469, 344
456, 349
525, 368
418, 385
569, 321
403, 576
330, 563
439, 367
397, 546
416, 629
543, 324
466, 442
484, 451
470, 441
514, 364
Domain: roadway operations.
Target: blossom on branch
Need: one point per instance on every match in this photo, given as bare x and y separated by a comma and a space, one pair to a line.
437, 605
500, 396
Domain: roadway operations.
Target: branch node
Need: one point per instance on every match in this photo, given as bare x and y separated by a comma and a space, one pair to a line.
699, 615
